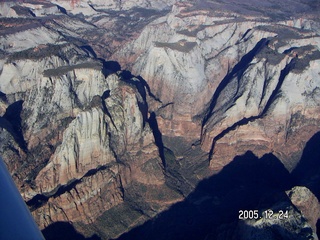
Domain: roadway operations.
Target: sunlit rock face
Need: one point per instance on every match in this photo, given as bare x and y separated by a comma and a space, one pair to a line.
295, 218
123, 107
75, 135
294, 227
307, 203
228, 79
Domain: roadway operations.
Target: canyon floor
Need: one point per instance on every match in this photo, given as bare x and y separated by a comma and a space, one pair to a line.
163, 119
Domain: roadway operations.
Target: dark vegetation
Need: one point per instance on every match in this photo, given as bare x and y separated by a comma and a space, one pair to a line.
127, 23
19, 23
192, 33
36, 54
311, 53
272, 56
271, 100
182, 46
246, 183
40, 199
268, 8
237, 71
65, 69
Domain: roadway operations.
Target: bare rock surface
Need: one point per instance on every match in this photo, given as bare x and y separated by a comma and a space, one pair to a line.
113, 111
222, 75
295, 227
307, 203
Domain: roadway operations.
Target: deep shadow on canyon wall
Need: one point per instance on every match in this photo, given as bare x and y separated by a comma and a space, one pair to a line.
246, 183
307, 172
64, 231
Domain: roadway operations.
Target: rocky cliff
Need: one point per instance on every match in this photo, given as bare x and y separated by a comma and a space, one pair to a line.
219, 77
111, 112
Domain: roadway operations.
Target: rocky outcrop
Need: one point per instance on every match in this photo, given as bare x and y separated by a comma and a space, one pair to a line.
295, 227
185, 87
295, 220
220, 77
307, 203
88, 8
76, 139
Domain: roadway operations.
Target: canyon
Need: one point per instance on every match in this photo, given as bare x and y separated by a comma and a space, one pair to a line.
162, 119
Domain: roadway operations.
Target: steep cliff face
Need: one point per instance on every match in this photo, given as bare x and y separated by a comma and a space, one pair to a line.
103, 150
222, 76
185, 87
83, 138
307, 203
74, 138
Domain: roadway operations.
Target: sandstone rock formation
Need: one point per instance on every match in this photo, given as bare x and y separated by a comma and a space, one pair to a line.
307, 203
213, 68
123, 107
295, 227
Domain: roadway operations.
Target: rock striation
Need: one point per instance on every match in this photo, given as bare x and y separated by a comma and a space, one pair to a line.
307, 203
75, 134
220, 77
112, 111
